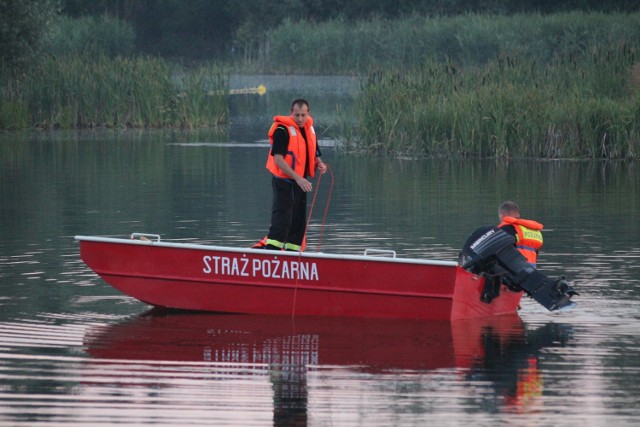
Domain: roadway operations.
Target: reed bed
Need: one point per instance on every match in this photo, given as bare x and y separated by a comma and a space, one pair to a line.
81, 92
342, 47
528, 85
576, 106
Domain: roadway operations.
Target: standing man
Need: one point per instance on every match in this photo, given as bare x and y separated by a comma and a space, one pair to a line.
294, 156
526, 231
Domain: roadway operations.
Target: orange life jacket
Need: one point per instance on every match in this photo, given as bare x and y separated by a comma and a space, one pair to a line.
528, 236
298, 150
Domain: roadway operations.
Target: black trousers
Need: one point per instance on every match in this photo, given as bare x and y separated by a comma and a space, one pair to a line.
288, 212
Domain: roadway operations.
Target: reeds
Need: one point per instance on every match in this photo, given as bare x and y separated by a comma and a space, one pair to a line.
576, 106
81, 92
342, 47
528, 85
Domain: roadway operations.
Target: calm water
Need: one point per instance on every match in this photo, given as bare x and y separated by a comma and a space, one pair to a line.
73, 351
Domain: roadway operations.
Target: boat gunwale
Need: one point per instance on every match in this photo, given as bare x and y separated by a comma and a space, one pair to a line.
321, 255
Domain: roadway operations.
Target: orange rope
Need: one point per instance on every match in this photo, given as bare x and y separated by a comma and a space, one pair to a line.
324, 218
326, 209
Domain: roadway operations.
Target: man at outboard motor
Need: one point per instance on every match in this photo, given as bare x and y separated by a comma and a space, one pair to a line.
497, 255
526, 231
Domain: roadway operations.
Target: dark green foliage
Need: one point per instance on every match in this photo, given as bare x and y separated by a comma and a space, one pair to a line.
23, 27
91, 36
199, 29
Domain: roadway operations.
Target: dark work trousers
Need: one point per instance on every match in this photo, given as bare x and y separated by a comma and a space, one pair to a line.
288, 212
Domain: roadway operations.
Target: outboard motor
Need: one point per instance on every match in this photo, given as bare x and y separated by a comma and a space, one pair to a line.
491, 252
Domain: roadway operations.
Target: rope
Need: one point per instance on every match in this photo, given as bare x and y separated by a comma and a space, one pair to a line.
326, 208
324, 218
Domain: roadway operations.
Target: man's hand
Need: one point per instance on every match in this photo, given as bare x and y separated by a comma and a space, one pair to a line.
322, 167
304, 184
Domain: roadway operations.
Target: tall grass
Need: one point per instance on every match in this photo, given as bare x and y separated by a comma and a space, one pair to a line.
578, 105
341, 47
528, 85
78, 92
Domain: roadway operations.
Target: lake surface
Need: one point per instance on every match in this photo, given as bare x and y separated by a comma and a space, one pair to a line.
74, 351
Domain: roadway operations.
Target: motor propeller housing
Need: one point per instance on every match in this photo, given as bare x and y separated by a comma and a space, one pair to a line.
491, 252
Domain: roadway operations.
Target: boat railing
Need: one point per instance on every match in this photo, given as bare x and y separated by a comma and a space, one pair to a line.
145, 236
380, 252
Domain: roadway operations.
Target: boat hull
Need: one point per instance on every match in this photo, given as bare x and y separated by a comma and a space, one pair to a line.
221, 279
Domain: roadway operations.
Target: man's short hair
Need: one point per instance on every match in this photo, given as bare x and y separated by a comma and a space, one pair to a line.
301, 102
509, 208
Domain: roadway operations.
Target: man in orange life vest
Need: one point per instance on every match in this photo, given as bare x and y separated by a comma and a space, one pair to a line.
294, 156
527, 232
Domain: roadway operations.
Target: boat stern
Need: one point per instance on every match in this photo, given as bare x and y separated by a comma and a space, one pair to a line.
468, 302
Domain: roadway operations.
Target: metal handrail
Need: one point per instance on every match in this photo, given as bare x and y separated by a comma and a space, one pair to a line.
381, 252
145, 236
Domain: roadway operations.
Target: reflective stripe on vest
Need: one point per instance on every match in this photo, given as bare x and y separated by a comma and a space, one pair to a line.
528, 237
529, 241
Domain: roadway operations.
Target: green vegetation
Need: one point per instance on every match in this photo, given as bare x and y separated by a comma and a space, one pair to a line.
24, 26
521, 86
73, 92
586, 107
87, 76
440, 78
91, 36
343, 47
524, 85
226, 29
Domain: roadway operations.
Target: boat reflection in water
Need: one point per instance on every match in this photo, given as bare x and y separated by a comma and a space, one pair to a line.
497, 349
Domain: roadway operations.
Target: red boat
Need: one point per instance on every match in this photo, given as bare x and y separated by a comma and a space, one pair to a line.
376, 284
